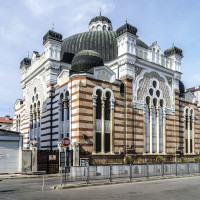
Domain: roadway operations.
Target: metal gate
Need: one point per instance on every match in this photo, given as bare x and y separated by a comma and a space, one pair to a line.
48, 161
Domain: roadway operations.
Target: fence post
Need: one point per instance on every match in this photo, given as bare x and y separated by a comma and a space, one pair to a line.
130, 172
188, 168
162, 168
88, 176
147, 170
61, 177
176, 169
65, 174
110, 173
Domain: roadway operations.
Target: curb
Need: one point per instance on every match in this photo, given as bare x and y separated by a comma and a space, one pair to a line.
79, 185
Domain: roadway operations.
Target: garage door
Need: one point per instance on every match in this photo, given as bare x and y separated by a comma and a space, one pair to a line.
9, 156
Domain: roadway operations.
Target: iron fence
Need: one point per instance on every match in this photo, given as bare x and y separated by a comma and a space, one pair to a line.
110, 172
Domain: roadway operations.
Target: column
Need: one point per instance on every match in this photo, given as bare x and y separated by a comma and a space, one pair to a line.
157, 129
94, 97
164, 131
31, 127
150, 129
38, 124
34, 124
33, 148
112, 126
188, 133
75, 147
103, 125
70, 118
60, 149
65, 117
60, 120
193, 141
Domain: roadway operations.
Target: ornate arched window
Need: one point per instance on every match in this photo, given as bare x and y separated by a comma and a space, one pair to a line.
154, 116
103, 113
64, 116
189, 130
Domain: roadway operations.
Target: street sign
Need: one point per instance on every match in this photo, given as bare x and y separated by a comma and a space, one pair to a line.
66, 142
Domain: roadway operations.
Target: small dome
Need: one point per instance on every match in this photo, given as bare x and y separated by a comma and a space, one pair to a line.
86, 60
100, 18
173, 50
126, 28
140, 43
25, 61
52, 35
181, 89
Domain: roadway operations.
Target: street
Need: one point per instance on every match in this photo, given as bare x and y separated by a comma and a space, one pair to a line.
170, 189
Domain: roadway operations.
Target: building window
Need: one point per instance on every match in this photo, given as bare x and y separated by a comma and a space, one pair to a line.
154, 103
189, 132
98, 106
103, 103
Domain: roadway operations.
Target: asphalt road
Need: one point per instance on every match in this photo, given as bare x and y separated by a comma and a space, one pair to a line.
169, 189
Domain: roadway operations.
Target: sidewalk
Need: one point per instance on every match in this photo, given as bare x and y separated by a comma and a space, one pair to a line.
37, 174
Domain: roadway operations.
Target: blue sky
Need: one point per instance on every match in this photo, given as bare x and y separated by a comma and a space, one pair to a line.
23, 24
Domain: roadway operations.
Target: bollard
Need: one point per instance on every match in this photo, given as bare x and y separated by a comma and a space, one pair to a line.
110, 173
147, 170
130, 172
176, 169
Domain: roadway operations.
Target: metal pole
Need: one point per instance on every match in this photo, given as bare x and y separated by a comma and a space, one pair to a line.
176, 169
188, 168
147, 170
199, 166
65, 175
130, 172
88, 177
61, 181
110, 173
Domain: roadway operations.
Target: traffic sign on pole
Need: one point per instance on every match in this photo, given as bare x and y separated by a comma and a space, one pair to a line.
66, 142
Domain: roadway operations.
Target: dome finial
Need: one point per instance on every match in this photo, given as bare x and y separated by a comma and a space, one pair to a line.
28, 54
100, 12
126, 20
173, 44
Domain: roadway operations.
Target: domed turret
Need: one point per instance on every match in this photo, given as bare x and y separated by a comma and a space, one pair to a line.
126, 28
85, 60
173, 50
100, 23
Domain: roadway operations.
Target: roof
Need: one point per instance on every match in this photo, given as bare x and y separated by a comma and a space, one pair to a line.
85, 60
6, 120
173, 50
52, 35
141, 44
4, 132
100, 18
126, 28
103, 42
